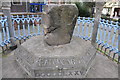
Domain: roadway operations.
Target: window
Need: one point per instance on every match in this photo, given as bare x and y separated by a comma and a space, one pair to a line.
17, 2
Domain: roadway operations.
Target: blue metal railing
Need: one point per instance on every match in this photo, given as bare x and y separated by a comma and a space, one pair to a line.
4, 32
26, 26
107, 32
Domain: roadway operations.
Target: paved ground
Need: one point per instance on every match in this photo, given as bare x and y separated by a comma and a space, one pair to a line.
0, 63
102, 68
0, 50
10, 68
0, 66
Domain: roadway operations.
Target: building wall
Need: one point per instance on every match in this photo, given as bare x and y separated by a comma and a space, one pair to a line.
116, 12
19, 8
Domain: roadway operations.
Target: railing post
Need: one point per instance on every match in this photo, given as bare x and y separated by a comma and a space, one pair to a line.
6, 11
99, 7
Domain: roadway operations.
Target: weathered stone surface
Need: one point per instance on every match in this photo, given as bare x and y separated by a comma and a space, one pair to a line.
71, 59
59, 23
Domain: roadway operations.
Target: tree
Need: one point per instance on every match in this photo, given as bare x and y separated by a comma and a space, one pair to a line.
85, 8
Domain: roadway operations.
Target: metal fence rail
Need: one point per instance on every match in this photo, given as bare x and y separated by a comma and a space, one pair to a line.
107, 36
107, 32
26, 26
4, 32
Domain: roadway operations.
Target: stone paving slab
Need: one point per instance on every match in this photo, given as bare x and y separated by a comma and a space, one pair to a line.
102, 68
0, 66
10, 68
0, 50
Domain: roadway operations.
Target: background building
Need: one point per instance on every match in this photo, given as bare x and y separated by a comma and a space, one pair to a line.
112, 9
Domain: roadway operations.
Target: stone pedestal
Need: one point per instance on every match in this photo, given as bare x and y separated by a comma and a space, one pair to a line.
41, 61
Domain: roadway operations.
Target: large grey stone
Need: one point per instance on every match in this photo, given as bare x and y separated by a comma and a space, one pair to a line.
69, 60
59, 23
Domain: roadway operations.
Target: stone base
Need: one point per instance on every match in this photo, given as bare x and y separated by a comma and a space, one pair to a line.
41, 61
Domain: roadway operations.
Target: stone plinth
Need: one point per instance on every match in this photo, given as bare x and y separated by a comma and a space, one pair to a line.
40, 60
